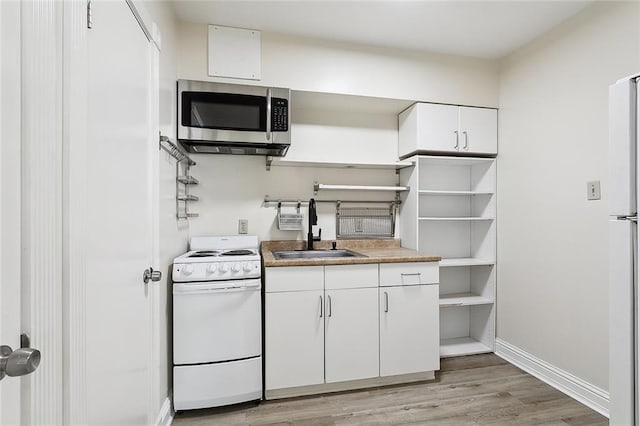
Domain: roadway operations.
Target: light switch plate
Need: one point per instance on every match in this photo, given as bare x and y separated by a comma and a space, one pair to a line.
243, 226
593, 190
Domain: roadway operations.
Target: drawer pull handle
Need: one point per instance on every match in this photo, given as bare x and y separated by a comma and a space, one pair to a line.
321, 307
386, 302
413, 274
329, 306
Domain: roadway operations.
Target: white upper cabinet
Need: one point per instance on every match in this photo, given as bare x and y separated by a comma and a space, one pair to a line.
448, 129
478, 130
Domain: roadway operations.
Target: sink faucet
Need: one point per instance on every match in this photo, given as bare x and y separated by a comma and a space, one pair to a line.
313, 220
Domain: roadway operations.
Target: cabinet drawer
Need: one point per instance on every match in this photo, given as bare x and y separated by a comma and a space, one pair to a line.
411, 273
350, 276
294, 278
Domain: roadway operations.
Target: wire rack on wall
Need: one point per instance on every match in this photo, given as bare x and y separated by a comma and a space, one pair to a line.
183, 177
365, 222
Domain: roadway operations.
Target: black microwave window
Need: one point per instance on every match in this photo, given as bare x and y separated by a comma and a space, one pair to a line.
224, 111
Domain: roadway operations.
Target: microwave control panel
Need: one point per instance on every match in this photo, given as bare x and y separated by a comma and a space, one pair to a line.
279, 115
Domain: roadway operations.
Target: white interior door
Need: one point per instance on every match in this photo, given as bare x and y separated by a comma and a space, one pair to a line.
10, 388
119, 206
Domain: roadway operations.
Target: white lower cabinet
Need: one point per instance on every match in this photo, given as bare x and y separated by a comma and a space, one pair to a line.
327, 325
351, 334
294, 339
409, 337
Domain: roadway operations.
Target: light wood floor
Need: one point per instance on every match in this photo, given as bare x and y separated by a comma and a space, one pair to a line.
470, 390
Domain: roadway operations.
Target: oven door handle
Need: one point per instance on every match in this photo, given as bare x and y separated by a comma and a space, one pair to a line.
215, 287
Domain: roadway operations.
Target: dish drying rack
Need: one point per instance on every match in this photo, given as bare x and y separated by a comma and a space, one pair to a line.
183, 177
290, 221
365, 222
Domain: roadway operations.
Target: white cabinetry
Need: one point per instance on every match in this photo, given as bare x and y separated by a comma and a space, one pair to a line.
408, 318
328, 325
294, 327
448, 129
351, 322
351, 334
450, 211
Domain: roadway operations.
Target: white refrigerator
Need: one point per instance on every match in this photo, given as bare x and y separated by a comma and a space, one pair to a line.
623, 252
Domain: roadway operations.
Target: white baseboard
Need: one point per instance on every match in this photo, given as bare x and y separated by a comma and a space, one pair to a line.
586, 393
165, 417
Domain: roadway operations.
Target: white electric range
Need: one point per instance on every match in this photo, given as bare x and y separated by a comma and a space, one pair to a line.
217, 323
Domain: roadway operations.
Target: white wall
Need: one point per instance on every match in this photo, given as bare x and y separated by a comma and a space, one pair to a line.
552, 242
322, 135
323, 66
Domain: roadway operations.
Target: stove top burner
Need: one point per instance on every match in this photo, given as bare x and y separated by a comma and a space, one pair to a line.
204, 253
237, 253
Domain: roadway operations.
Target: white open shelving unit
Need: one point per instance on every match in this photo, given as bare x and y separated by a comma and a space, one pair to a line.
450, 211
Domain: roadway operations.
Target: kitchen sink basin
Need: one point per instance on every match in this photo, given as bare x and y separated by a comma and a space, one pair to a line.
315, 254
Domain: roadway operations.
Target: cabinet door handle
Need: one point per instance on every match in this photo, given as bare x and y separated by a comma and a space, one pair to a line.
457, 140
321, 307
329, 306
466, 140
386, 301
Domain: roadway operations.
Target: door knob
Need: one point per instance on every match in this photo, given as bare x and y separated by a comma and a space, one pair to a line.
19, 362
150, 274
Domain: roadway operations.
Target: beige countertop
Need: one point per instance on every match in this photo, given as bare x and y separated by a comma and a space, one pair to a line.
376, 251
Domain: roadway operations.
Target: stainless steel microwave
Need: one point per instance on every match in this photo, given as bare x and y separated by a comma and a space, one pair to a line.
219, 118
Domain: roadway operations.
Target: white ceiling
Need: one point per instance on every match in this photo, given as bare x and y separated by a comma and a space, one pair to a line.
485, 29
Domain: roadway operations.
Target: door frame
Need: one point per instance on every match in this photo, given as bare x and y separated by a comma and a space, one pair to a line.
10, 170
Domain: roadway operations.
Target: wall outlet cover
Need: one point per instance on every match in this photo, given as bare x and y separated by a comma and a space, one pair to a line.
243, 226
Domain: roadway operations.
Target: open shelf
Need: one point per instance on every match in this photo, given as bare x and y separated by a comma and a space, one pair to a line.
276, 162
188, 180
450, 210
465, 261
463, 299
462, 346
451, 218
453, 193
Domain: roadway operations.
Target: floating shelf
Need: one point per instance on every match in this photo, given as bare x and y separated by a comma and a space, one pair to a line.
340, 165
463, 299
319, 186
466, 261
454, 219
454, 193
462, 346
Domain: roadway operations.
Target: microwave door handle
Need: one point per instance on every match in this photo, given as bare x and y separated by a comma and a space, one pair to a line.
268, 114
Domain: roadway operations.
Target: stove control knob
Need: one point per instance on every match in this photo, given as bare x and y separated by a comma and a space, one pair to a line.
187, 269
223, 268
236, 267
211, 269
247, 267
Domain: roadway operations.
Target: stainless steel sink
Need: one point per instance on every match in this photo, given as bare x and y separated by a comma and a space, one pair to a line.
315, 254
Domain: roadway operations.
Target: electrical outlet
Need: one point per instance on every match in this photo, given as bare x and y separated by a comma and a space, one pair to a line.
593, 190
243, 226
